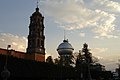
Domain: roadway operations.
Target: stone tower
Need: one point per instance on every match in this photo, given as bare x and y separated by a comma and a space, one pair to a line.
36, 37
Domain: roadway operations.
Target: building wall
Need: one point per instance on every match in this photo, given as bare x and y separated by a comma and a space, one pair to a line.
23, 55
18, 54
40, 57
3, 51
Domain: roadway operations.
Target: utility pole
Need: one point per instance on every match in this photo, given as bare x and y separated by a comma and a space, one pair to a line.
5, 74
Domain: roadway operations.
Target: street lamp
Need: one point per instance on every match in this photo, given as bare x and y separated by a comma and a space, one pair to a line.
5, 74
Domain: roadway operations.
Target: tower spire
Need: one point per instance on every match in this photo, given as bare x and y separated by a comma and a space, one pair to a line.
37, 9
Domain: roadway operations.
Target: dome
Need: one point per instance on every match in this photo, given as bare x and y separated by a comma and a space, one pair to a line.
65, 48
37, 13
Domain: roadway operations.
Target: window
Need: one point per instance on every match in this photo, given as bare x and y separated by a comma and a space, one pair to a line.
38, 43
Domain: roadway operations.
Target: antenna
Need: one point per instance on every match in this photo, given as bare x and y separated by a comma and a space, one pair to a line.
64, 34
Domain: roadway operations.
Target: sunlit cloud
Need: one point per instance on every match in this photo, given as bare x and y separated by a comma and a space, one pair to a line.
75, 15
107, 27
99, 57
98, 50
107, 5
17, 43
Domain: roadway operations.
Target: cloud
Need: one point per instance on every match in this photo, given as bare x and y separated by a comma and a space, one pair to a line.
105, 58
108, 63
17, 42
75, 15
105, 25
98, 50
82, 34
99, 57
70, 14
107, 5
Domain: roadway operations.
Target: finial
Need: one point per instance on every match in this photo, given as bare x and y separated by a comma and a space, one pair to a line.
37, 9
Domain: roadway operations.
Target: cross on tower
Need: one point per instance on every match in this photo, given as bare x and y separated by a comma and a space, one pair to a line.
37, 3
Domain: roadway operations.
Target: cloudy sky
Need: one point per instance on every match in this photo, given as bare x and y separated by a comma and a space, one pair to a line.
95, 22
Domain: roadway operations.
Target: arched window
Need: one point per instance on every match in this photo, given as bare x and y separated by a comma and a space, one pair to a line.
42, 43
38, 43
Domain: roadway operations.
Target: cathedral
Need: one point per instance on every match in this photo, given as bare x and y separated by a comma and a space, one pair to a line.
36, 41
35, 49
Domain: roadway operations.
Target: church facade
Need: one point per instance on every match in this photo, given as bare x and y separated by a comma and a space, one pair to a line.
35, 49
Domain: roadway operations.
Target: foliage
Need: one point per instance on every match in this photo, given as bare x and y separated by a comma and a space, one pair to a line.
49, 60
31, 70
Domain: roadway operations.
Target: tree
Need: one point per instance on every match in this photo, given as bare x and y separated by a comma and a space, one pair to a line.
49, 60
57, 60
66, 60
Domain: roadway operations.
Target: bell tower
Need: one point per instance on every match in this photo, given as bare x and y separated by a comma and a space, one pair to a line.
36, 36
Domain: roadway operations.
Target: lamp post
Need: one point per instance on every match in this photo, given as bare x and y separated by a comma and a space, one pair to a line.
5, 74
